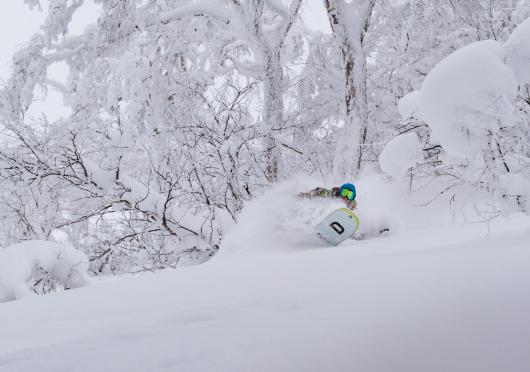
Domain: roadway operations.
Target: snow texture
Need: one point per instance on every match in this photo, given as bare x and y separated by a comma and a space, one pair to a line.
19, 262
517, 50
279, 218
400, 154
468, 93
437, 300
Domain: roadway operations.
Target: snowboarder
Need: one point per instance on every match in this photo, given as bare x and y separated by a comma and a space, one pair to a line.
346, 192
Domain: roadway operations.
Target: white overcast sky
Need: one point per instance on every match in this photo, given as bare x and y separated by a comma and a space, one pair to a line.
18, 23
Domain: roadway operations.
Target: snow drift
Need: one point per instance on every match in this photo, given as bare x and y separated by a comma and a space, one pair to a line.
435, 300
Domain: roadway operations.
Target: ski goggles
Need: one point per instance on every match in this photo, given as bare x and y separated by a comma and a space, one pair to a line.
347, 194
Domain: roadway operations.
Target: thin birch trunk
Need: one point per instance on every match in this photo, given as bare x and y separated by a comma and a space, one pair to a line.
273, 85
349, 23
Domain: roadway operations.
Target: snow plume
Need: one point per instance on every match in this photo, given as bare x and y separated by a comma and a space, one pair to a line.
278, 220
27, 264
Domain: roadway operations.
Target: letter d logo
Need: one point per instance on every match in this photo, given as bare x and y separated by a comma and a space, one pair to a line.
337, 227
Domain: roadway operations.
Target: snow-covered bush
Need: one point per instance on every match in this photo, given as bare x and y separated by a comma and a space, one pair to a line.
40, 267
469, 102
468, 96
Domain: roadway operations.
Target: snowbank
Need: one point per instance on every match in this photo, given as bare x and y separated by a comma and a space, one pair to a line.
400, 154
436, 300
20, 262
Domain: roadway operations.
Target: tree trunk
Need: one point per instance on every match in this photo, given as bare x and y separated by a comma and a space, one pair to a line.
272, 43
272, 112
349, 22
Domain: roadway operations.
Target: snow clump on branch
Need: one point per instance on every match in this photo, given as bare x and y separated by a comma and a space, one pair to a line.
468, 95
401, 154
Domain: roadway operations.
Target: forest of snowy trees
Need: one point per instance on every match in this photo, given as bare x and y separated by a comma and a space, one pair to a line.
180, 111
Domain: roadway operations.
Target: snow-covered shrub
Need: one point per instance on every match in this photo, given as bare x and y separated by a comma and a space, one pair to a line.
469, 101
467, 96
40, 267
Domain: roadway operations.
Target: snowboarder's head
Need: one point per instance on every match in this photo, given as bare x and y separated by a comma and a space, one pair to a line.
348, 191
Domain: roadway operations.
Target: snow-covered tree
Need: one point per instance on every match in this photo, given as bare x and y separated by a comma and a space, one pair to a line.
180, 111
176, 112
349, 22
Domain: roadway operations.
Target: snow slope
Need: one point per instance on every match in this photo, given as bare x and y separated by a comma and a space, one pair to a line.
444, 299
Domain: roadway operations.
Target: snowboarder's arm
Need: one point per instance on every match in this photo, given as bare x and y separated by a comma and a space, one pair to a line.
318, 192
321, 192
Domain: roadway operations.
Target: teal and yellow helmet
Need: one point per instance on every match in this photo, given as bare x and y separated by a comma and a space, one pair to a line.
348, 191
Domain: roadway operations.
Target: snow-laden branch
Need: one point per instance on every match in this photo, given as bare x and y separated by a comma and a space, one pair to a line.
222, 14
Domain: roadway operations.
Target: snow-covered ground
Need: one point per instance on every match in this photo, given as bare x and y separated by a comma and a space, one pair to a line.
431, 299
